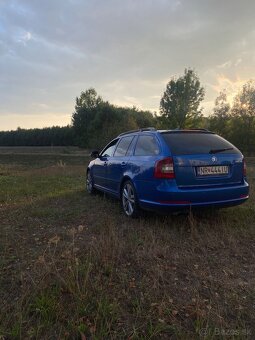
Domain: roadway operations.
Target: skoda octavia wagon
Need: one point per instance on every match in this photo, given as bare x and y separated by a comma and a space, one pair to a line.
169, 170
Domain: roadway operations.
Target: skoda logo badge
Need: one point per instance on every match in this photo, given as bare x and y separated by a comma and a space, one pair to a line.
214, 159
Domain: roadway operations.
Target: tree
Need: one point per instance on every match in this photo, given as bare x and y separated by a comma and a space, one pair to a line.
243, 116
244, 101
179, 106
88, 100
220, 119
236, 122
96, 122
85, 109
110, 120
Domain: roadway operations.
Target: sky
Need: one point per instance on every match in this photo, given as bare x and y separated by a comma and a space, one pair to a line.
51, 50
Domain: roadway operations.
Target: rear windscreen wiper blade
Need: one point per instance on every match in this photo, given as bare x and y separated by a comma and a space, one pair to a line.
219, 150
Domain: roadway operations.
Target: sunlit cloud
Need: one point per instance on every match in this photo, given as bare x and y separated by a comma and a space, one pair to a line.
232, 87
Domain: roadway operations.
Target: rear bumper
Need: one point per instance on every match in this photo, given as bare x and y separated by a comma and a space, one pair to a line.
150, 205
176, 199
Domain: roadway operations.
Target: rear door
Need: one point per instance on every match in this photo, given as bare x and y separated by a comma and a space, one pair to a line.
204, 159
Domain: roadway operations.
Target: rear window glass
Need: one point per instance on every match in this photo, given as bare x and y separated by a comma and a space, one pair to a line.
197, 143
146, 146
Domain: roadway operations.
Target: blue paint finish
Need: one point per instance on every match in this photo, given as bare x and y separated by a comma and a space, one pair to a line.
187, 189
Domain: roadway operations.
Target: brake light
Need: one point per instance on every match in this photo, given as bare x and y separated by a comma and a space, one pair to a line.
244, 168
164, 168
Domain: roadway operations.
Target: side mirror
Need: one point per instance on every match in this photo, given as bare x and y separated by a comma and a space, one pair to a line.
94, 154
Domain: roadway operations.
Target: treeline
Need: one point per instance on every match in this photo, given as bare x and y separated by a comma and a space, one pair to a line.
236, 121
95, 121
58, 136
92, 126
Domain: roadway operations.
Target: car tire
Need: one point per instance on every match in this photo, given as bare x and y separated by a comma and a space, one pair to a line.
129, 201
90, 184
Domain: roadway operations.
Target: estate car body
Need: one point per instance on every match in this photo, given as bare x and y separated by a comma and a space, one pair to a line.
169, 170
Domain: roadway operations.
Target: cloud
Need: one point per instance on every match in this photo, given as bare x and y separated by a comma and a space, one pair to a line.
128, 50
232, 86
25, 38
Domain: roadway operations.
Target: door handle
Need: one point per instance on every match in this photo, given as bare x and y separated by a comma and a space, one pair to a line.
123, 163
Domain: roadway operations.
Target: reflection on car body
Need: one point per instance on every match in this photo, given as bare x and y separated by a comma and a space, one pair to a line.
169, 170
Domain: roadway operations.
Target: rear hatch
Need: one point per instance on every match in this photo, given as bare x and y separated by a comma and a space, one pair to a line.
204, 159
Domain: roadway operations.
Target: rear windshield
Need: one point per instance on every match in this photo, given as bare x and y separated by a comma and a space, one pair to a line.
189, 143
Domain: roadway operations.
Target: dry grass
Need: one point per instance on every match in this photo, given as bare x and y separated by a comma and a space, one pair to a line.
72, 266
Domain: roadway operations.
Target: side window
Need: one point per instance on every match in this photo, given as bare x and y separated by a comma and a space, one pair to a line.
109, 149
147, 146
123, 146
131, 147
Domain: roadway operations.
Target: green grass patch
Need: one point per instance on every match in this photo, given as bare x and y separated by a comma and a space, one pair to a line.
72, 266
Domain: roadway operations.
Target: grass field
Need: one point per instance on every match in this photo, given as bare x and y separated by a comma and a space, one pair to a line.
73, 267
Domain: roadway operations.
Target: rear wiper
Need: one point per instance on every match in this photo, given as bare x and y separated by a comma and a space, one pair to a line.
219, 150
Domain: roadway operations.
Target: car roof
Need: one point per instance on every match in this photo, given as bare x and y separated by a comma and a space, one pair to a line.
152, 129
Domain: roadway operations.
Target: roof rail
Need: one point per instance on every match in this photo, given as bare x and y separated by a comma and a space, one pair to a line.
148, 129
140, 130
200, 130
192, 129
127, 132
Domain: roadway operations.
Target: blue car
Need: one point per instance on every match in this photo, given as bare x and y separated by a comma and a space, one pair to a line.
169, 170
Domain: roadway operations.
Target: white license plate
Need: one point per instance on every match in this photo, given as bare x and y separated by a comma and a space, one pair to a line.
212, 170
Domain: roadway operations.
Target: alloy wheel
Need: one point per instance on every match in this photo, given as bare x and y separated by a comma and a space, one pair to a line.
128, 199
89, 183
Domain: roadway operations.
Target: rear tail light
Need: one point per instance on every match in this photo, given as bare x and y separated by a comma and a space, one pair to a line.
244, 168
164, 168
